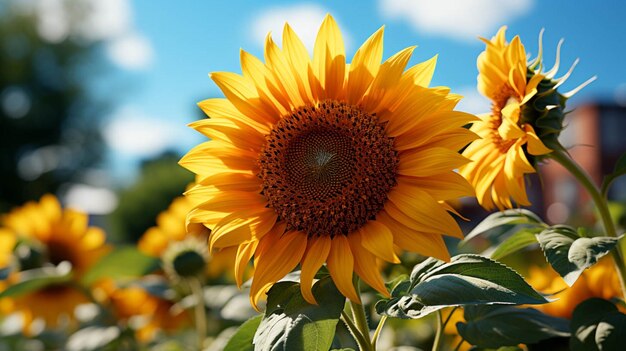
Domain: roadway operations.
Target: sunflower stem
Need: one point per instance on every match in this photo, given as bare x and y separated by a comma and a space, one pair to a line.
358, 312
200, 315
354, 330
439, 333
379, 328
602, 206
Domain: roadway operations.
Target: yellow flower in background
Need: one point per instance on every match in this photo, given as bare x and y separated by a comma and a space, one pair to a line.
62, 236
601, 280
147, 314
501, 156
315, 161
171, 229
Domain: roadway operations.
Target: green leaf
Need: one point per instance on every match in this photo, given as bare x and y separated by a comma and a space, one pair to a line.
465, 280
242, 339
35, 279
514, 243
290, 323
611, 332
496, 326
620, 170
569, 254
585, 321
507, 217
125, 262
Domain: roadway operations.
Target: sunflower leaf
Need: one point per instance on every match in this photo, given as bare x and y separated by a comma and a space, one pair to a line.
505, 218
514, 243
38, 278
465, 280
570, 254
242, 339
620, 170
585, 320
290, 323
125, 262
497, 326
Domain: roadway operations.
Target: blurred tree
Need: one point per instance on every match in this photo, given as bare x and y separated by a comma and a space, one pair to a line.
160, 181
49, 122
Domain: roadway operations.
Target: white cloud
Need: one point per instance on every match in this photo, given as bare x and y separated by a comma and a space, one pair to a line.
132, 133
472, 101
131, 51
459, 19
305, 19
107, 21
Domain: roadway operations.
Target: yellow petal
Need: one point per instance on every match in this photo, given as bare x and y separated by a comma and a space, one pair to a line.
298, 56
422, 73
329, 59
365, 66
428, 162
423, 243
365, 265
535, 145
420, 206
241, 92
378, 239
314, 258
222, 108
341, 266
278, 254
245, 251
509, 129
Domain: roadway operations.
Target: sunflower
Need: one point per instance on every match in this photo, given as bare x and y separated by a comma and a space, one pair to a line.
56, 236
526, 118
315, 161
601, 281
146, 313
501, 157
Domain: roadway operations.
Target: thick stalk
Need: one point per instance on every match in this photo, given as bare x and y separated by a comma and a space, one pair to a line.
199, 312
439, 333
601, 205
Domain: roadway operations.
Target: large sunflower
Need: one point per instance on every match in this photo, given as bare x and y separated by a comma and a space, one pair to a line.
501, 156
56, 235
317, 161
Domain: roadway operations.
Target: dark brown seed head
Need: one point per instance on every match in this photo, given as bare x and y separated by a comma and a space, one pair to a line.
326, 170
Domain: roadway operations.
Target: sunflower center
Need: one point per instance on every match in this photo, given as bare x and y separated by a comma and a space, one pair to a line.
326, 170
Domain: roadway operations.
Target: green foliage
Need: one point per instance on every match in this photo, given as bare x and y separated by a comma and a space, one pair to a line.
505, 218
496, 326
618, 171
465, 280
160, 181
515, 242
597, 325
50, 130
124, 262
242, 339
570, 254
290, 323
38, 278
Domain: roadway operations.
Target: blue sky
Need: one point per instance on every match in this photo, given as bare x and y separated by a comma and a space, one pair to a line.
181, 42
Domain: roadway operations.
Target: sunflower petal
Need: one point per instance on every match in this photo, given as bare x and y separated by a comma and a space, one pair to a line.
365, 265
314, 258
341, 265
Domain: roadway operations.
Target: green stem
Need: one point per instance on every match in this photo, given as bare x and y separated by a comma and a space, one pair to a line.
356, 333
601, 205
439, 334
200, 315
379, 328
358, 312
